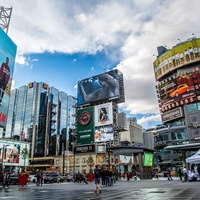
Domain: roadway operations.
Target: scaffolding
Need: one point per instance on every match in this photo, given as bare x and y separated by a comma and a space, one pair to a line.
5, 16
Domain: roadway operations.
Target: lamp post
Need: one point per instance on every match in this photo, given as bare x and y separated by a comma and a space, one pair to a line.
3, 149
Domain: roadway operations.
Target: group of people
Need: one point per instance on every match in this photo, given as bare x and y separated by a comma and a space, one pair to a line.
5, 179
81, 178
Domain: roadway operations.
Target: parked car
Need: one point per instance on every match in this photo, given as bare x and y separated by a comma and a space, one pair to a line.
32, 178
14, 179
53, 178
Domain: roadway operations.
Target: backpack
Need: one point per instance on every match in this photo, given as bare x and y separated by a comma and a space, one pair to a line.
96, 173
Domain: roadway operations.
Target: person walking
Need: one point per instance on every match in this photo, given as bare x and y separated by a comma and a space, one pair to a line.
169, 175
97, 176
6, 180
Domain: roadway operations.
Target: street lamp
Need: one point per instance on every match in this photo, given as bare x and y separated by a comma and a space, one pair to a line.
3, 149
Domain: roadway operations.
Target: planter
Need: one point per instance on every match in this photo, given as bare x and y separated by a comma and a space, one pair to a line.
23, 179
90, 177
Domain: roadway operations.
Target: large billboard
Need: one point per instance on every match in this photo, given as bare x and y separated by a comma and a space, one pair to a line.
176, 90
99, 88
103, 114
182, 54
7, 59
11, 152
103, 133
85, 128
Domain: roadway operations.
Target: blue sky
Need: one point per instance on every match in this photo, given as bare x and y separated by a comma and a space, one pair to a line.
61, 42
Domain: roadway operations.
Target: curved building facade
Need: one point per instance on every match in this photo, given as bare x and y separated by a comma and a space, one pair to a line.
178, 90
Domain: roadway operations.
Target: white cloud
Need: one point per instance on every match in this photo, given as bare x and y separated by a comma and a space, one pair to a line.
128, 30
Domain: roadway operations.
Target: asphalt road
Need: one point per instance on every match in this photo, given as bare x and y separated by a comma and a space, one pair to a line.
160, 189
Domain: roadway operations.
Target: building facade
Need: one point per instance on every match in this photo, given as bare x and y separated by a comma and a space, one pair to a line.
43, 116
177, 75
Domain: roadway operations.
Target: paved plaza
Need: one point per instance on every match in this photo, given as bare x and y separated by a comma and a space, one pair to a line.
153, 189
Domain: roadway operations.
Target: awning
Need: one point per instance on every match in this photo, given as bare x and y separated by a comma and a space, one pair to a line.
191, 146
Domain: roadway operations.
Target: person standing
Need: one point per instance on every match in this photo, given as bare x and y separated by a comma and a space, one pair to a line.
180, 173
103, 178
169, 175
4, 77
185, 174
97, 176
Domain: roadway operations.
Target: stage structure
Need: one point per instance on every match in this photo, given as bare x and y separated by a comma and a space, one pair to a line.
5, 16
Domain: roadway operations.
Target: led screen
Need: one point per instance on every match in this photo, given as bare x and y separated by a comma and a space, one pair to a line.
148, 159
11, 152
7, 60
103, 133
103, 114
98, 88
175, 90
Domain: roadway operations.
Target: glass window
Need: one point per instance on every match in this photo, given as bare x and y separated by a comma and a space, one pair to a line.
84, 160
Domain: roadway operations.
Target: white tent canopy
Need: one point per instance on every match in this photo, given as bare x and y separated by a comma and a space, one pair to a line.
195, 158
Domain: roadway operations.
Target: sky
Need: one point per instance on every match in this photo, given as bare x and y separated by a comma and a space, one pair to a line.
62, 42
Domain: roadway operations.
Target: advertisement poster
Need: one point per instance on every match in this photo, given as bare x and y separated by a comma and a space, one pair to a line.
103, 133
7, 60
98, 88
85, 128
148, 159
11, 153
103, 114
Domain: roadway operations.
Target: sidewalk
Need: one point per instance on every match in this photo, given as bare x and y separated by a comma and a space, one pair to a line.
154, 179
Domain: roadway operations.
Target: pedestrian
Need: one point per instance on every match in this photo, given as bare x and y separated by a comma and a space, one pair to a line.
103, 178
169, 175
41, 178
185, 174
180, 173
128, 176
38, 179
97, 176
6, 179
107, 173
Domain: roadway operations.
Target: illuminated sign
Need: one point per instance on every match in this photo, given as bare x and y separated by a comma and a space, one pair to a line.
148, 159
172, 114
84, 149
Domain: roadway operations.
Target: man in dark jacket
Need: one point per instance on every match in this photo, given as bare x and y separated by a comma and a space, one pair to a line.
97, 175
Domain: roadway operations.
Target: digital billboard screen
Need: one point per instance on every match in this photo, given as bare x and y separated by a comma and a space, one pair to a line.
175, 90
97, 88
11, 152
148, 159
103, 134
103, 114
7, 60
85, 128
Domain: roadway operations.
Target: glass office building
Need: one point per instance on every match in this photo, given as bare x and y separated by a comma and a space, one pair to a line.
43, 116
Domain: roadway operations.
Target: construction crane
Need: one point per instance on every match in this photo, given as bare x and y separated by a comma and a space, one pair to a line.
5, 15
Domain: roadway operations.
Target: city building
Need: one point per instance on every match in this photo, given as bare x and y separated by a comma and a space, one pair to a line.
178, 89
44, 117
